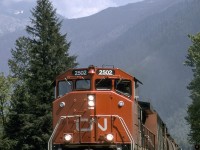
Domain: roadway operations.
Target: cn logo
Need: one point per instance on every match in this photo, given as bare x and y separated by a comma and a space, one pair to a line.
103, 127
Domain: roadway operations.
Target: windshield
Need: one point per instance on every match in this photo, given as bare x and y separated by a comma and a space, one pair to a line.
64, 87
82, 84
103, 84
123, 87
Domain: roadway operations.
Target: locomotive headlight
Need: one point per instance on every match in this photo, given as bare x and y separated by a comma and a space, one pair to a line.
68, 137
91, 103
91, 99
62, 104
109, 137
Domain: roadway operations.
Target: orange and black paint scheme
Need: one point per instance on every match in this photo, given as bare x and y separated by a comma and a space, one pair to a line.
97, 108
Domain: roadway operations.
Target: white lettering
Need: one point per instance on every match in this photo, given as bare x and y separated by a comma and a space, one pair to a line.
90, 128
105, 72
105, 125
91, 124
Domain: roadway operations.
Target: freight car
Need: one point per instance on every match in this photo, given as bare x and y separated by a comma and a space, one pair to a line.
97, 108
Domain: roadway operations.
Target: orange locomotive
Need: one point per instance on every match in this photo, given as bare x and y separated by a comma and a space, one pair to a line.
97, 108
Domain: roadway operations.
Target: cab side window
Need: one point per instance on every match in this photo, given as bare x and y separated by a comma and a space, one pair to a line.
123, 87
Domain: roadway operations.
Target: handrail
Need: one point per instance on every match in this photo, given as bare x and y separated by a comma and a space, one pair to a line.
56, 127
54, 131
149, 135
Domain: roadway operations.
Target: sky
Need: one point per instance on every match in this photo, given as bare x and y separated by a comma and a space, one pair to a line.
76, 8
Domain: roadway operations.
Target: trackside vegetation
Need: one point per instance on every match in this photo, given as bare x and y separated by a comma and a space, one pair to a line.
193, 117
36, 60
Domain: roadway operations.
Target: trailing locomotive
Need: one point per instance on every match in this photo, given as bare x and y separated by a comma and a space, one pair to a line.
98, 108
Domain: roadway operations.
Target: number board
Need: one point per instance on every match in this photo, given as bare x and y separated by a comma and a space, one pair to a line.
80, 72
109, 72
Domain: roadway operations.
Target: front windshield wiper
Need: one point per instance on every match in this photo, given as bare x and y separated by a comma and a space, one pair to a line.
100, 81
119, 81
68, 82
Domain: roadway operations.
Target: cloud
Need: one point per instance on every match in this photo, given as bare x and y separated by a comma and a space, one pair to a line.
80, 8
76, 8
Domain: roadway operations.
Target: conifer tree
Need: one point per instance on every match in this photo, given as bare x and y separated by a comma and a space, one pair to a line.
18, 113
5, 95
193, 117
36, 61
6, 90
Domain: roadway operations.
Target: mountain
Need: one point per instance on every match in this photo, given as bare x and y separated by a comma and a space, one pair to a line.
148, 39
13, 20
109, 24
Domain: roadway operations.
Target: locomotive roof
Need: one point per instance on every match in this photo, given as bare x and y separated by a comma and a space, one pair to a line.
121, 72
147, 107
